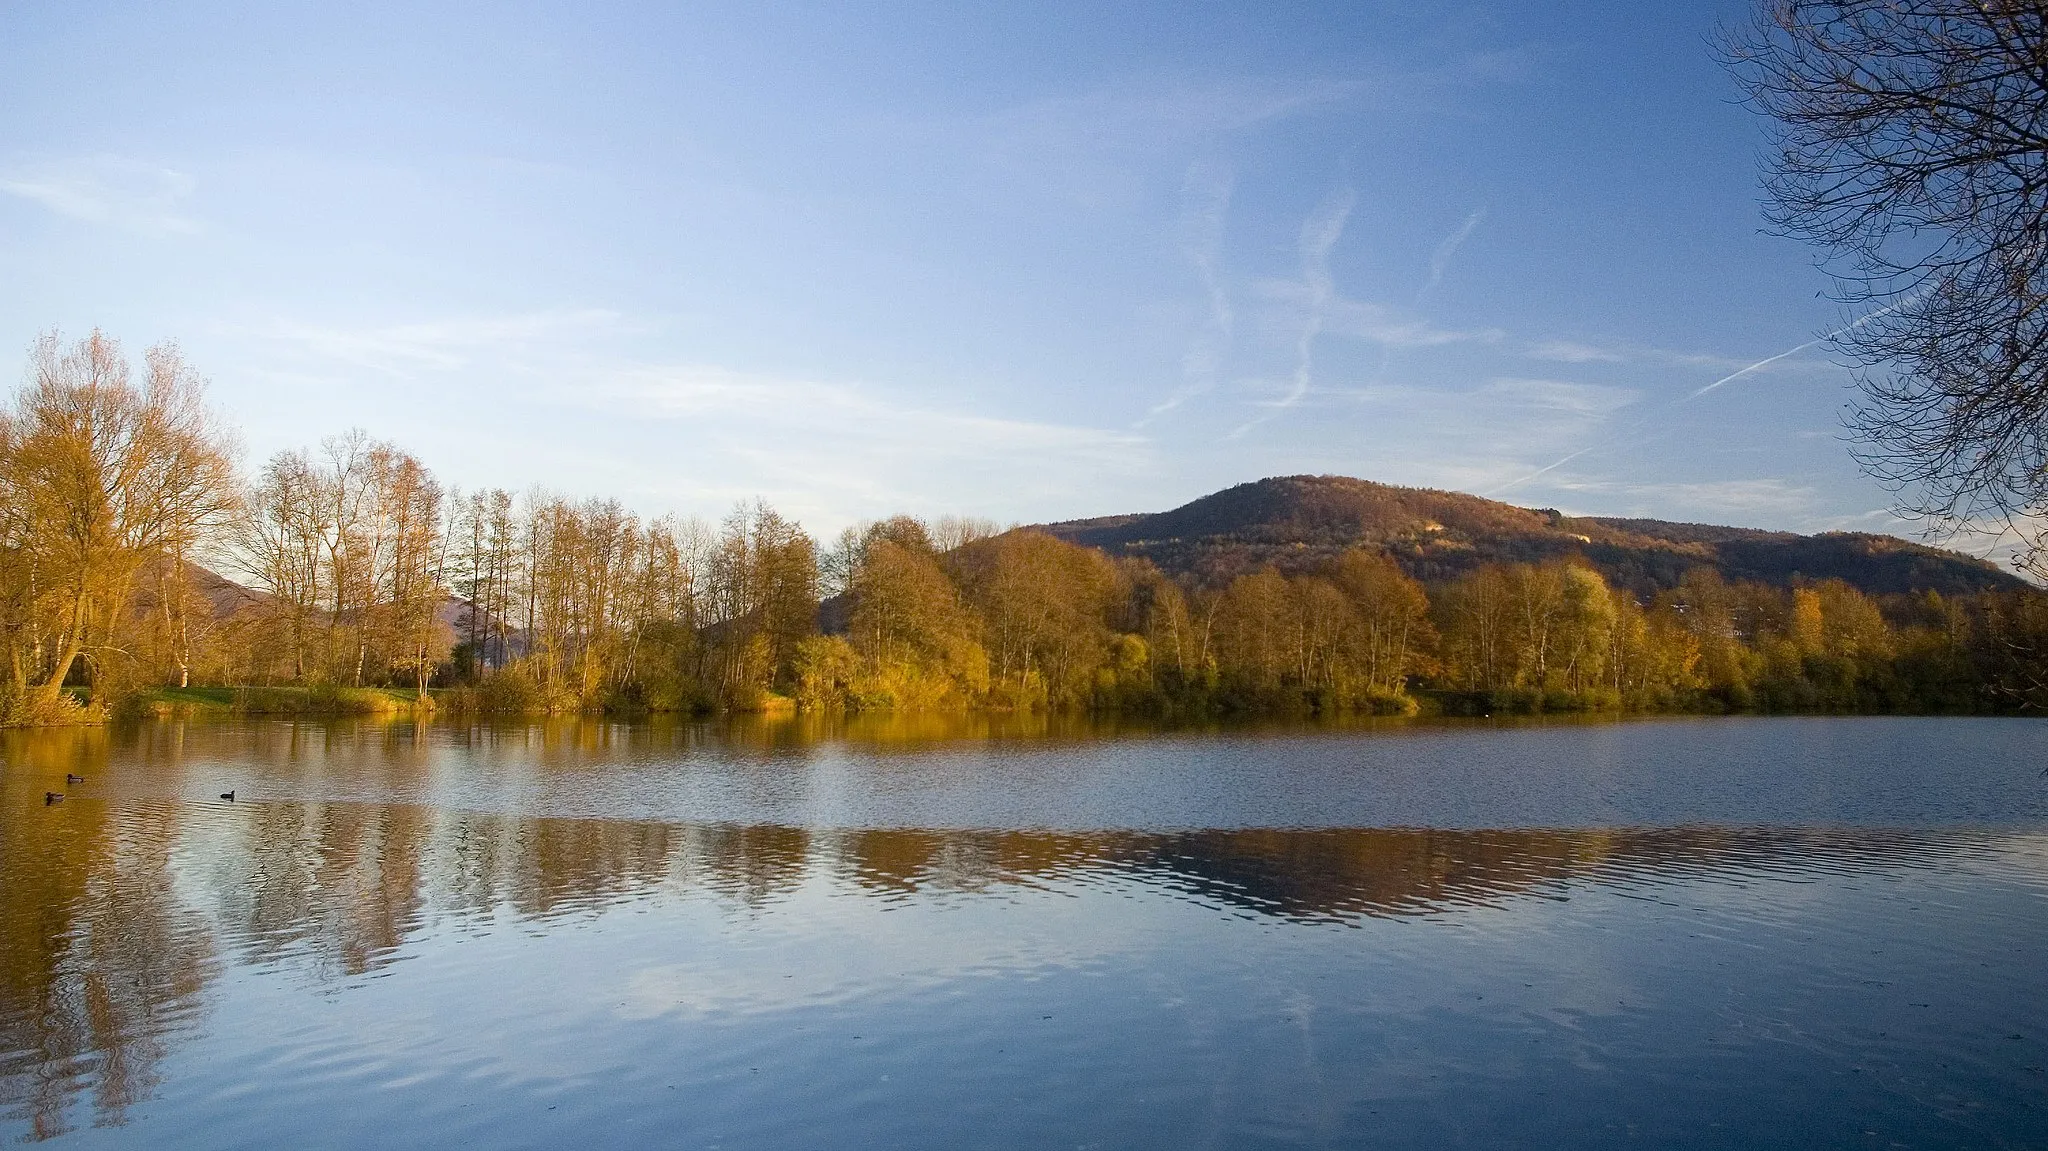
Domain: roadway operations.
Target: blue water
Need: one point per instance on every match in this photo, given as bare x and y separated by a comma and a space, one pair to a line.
1728, 932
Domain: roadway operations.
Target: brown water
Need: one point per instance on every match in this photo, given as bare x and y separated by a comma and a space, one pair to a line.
948, 933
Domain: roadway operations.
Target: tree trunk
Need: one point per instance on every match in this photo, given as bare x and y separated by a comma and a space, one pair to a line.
47, 693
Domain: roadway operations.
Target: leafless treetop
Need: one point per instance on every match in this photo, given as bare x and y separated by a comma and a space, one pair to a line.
1912, 145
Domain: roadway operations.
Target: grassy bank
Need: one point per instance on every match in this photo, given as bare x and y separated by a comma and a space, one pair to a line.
319, 700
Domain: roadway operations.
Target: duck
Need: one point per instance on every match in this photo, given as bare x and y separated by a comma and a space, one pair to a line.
50, 797
228, 795
70, 778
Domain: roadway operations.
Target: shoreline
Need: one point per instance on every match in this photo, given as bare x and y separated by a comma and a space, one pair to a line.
324, 702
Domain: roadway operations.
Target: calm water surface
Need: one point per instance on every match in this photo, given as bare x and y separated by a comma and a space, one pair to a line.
1732, 932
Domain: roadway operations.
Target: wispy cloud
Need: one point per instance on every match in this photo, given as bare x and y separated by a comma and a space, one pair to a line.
1575, 399
1374, 323
444, 345
1575, 352
1551, 411
1745, 369
128, 194
1142, 110
573, 406
1756, 500
1462, 438
1106, 143
1395, 328
1107, 146
1205, 197
1144, 116
698, 391
1571, 352
1319, 234
831, 445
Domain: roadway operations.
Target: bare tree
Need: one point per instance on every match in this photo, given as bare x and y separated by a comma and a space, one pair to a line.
1912, 146
354, 540
411, 567
950, 532
279, 545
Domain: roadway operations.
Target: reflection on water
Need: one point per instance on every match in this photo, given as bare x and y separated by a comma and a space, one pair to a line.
98, 964
126, 907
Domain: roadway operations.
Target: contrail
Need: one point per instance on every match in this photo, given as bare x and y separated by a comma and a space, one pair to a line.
1848, 327
1440, 260
1539, 471
1741, 372
1729, 378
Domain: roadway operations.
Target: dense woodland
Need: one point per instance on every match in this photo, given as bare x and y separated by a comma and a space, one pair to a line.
353, 567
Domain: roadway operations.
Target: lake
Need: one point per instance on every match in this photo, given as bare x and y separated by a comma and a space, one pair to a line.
977, 932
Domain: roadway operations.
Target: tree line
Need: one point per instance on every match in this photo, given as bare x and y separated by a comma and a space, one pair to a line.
353, 566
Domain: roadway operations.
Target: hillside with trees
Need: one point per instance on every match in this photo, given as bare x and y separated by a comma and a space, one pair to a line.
1297, 523
357, 571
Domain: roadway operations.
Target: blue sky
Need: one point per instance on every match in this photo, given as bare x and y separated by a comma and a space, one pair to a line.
1031, 261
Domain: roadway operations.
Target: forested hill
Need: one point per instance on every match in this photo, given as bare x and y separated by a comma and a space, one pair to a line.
1297, 522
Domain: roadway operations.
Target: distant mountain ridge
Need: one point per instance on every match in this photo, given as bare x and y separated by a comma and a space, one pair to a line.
1297, 522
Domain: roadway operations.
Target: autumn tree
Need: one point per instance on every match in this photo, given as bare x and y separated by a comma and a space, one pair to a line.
98, 478
761, 600
1652, 659
908, 625
1476, 615
1045, 606
1722, 620
412, 569
1390, 630
350, 547
1176, 626
1259, 639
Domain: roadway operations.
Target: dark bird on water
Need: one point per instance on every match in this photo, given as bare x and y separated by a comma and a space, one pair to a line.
70, 778
50, 797
228, 795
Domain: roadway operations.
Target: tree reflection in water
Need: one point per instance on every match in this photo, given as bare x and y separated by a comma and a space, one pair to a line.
119, 906
101, 965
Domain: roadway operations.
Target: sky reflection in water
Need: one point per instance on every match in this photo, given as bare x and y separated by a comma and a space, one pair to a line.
1726, 932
